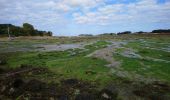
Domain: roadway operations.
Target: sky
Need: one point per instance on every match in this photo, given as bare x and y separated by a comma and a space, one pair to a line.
74, 17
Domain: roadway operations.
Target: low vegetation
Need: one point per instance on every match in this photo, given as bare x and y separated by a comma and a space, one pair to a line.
142, 71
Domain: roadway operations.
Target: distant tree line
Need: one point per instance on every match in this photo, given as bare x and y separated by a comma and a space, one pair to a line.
86, 35
161, 31
107, 34
26, 30
126, 32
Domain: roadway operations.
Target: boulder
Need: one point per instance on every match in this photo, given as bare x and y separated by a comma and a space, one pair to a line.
109, 93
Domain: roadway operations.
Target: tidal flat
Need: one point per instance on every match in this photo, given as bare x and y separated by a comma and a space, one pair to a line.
126, 67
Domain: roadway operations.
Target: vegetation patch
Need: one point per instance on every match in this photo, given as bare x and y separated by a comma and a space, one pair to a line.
70, 74
145, 67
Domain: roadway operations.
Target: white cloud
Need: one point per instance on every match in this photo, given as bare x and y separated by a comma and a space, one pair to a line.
146, 10
95, 12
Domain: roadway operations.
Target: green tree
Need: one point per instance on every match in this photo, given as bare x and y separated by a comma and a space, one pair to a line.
25, 30
28, 29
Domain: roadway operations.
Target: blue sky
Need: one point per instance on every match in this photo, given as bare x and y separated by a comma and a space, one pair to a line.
73, 17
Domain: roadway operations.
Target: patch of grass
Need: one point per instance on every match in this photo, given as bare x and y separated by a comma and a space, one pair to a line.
148, 43
145, 67
150, 51
128, 64
35, 58
154, 54
119, 50
79, 67
71, 63
97, 45
39, 58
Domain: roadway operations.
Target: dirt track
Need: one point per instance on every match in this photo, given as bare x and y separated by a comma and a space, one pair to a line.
107, 54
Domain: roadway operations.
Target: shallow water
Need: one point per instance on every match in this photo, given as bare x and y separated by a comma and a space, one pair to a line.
56, 47
39, 47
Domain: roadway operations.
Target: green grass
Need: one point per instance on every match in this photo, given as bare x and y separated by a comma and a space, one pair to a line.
146, 68
71, 63
158, 54
149, 52
78, 66
148, 43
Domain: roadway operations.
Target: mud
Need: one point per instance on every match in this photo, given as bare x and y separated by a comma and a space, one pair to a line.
23, 70
154, 91
14, 84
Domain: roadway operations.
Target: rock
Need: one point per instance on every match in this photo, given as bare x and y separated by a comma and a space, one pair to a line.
105, 96
11, 90
77, 92
109, 93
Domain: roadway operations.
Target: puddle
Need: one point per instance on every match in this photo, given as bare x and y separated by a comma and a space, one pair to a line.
41, 47
56, 47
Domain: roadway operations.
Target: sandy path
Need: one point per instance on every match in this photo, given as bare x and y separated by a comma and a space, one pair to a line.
107, 54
